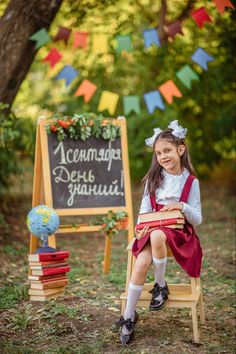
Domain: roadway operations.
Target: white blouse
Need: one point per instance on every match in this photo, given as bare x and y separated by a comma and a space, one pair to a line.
170, 191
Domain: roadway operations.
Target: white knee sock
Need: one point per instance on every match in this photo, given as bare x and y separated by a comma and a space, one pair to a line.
134, 293
159, 270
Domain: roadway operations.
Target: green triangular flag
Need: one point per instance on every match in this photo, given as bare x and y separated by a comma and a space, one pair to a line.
41, 37
187, 75
123, 43
131, 103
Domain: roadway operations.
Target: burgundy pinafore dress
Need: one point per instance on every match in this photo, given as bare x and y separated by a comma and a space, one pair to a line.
184, 243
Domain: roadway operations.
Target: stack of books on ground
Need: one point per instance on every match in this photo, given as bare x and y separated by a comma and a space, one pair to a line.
173, 219
47, 275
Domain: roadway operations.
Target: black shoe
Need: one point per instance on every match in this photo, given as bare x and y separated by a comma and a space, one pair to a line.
126, 338
156, 305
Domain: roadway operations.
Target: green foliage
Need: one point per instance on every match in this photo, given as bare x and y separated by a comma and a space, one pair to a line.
11, 294
21, 319
113, 221
16, 141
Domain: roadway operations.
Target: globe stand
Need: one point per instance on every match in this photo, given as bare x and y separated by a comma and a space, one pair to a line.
45, 248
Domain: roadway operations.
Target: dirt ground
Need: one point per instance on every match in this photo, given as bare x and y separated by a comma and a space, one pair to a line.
82, 320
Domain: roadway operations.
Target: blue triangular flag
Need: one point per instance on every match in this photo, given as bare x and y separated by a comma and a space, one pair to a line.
201, 58
151, 37
68, 73
153, 100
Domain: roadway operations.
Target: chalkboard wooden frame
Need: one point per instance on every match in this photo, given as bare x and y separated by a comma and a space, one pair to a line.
42, 190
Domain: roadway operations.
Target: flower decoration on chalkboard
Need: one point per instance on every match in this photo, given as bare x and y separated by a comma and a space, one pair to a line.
112, 222
82, 126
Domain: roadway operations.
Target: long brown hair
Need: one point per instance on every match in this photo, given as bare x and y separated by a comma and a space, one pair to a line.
154, 176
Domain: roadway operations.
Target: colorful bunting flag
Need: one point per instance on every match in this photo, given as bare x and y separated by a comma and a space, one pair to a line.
131, 103
100, 43
62, 34
53, 57
201, 58
123, 43
80, 40
86, 89
151, 37
222, 4
187, 75
200, 16
174, 28
41, 37
68, 73
108, 101
153, 100
170, 90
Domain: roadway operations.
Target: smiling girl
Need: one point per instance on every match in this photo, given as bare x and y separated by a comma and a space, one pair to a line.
169, 185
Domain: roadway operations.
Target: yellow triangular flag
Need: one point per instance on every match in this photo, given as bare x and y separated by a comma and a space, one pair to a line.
100, 43
108, 101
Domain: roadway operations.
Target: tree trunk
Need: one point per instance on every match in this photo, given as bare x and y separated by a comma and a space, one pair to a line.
21, 19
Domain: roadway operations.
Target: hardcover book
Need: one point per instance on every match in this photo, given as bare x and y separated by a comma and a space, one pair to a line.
44, 297
48, 256
51, 271
173, 219
46, 292
49, 285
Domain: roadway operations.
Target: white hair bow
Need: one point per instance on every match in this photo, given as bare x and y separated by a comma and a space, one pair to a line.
150, 141
178, 131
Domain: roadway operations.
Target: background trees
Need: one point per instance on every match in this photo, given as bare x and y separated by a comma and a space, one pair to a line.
207, 110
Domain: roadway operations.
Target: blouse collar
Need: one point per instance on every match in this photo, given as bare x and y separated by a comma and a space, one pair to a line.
183, 174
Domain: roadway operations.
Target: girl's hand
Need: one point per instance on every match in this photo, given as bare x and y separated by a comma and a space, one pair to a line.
172, 206
140, 233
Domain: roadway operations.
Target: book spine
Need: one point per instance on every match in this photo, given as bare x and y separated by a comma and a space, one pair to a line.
50, 271
156, 223
48, 256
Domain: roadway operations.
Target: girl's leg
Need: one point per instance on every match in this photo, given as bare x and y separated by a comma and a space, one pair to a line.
159, 258
137, 281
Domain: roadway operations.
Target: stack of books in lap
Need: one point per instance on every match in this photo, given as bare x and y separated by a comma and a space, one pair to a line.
48, 275
173, 219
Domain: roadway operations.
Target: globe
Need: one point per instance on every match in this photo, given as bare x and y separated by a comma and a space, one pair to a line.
43, 221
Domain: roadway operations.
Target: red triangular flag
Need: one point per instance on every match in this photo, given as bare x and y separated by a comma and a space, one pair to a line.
200, 16
174, 28
62, 34
80, 40
53, 57
222, 4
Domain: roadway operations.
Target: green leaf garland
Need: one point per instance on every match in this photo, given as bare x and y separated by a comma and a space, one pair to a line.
82, 126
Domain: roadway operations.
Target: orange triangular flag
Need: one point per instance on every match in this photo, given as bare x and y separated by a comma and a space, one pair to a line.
169, 90
222, 4
80, 40
86, 89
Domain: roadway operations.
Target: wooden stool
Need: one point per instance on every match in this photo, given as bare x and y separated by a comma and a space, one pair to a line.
181, 295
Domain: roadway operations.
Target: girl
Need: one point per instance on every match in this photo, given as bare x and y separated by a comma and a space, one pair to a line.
169, 185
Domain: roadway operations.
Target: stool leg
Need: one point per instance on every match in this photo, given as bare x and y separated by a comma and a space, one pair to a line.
201, 310
195, 324
123, 305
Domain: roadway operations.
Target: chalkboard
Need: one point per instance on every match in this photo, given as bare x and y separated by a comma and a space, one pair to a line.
86, 174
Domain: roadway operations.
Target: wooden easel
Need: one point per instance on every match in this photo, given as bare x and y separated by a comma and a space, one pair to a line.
42, 192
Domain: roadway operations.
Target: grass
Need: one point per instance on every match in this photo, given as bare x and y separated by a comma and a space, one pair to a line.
82, 320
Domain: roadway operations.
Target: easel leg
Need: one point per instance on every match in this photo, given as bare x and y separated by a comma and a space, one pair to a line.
107, 255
